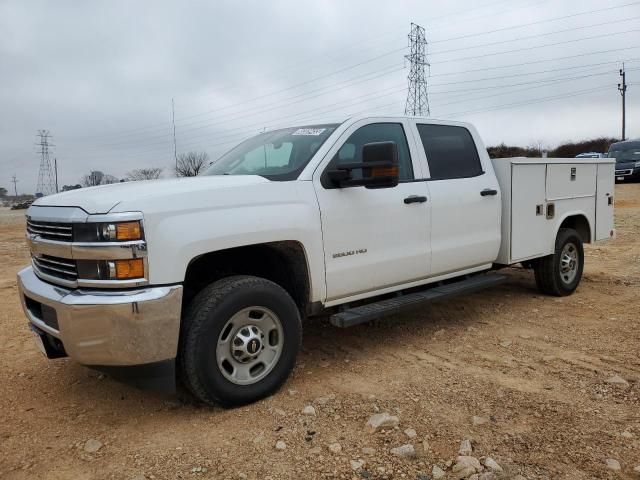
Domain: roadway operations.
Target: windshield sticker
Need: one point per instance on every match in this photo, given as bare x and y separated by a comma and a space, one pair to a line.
309, 131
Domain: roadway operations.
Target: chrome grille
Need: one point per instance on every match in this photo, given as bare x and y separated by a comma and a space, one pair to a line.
62, 232
624, 172
63, 268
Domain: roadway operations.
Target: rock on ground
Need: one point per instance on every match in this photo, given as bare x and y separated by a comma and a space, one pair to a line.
406, 451
613, 464
335, 447
492, 465
92, 445
280, 445
466, 466
356, 464
617, 380
382, 420
437, 473
465, 447
411, 433
309, 410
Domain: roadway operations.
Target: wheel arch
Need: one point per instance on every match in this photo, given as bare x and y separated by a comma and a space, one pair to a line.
283, 262
580, 223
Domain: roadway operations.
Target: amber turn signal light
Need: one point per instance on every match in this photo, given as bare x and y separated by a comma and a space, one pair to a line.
128, 231
385, 171
126, 269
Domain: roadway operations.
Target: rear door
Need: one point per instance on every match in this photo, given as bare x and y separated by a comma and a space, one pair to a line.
464, 197
373, 238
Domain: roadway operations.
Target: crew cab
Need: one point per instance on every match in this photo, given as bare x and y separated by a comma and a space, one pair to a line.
206, 279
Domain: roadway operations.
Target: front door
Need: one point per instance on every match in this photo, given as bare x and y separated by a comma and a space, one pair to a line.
373, 238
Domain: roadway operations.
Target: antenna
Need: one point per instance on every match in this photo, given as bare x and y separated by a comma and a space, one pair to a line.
15, 188
46, 184
417, 101
173, 120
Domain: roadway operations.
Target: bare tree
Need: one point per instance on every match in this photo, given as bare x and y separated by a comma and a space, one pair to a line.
191, 164
144, 174
97, 177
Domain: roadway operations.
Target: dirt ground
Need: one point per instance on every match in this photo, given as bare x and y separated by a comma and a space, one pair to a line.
534, 369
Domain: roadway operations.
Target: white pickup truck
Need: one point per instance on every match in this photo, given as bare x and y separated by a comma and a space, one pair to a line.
206, 279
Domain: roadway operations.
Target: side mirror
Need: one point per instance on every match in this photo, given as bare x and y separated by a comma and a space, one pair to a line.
380, 160
379, 167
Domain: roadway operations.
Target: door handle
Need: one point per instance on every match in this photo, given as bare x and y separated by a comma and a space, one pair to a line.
415, 199
488, 191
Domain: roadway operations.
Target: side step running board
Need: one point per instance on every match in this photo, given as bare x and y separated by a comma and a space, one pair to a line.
365, 313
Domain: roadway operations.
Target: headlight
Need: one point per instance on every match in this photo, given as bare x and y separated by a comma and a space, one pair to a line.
637, 164
108, 232
111, 269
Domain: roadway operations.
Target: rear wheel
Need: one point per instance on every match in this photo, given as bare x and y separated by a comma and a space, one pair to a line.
559, 274
239, 340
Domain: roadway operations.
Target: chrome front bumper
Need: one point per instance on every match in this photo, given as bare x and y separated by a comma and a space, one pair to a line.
105, 327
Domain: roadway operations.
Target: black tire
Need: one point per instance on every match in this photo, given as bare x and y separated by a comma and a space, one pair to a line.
549, 277
202, 325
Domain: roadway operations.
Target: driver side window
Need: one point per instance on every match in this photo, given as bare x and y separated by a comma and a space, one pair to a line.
351, 150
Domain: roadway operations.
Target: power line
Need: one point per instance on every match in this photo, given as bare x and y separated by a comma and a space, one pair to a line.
531, 62
529, 102
474, 57
224, 119
278, 104
538, 35
165, 125
555, 19
243, 130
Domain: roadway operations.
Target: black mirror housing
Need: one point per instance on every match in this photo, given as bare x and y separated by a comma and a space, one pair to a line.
379, 167
380, 164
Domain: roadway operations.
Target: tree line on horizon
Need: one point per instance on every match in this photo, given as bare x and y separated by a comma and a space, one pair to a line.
565, 150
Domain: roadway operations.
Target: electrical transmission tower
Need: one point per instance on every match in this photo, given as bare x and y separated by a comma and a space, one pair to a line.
417, 101
46, 183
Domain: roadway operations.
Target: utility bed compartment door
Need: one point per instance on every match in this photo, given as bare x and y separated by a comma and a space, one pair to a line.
529, 226
570, 180
604, 201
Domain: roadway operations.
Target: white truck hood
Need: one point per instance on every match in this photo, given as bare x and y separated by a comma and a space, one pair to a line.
102, 199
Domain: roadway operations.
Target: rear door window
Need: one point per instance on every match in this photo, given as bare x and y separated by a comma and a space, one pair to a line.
451, 151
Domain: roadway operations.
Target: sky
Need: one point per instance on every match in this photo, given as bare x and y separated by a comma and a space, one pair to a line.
100, 76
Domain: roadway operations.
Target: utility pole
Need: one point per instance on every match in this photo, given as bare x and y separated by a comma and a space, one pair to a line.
622, 88
15, 188
46, 184
173, 120
417, 101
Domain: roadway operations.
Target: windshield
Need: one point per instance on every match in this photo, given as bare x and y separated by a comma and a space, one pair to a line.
625, 153
276, 155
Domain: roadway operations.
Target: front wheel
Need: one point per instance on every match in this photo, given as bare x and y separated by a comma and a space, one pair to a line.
559, 274
239, 340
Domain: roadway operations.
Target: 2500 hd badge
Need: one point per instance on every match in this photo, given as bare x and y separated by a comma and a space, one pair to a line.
349, 253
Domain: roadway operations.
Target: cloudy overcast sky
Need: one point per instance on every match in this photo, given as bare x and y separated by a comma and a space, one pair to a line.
100, 75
